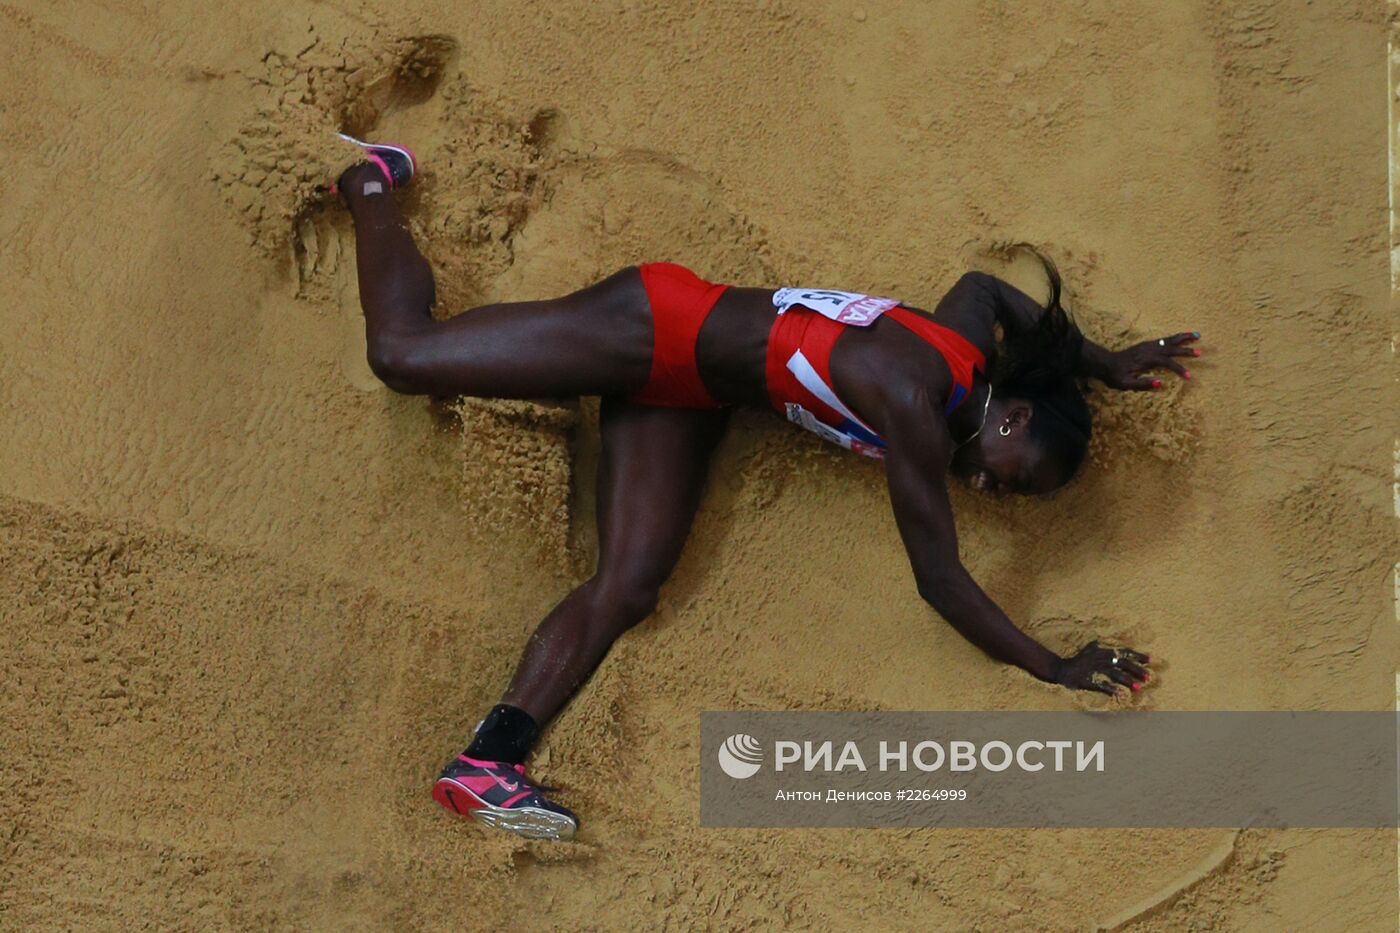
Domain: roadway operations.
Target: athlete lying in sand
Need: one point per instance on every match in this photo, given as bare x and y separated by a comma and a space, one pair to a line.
670, 355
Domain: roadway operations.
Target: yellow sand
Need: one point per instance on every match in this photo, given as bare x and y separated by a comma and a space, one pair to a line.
252, 601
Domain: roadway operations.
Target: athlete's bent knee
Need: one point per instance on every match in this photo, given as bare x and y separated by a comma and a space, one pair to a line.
395, 361
624, 603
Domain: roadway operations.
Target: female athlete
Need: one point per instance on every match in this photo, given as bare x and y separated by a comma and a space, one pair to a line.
986, 388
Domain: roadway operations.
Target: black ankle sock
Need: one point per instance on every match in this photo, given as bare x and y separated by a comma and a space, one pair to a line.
506, 734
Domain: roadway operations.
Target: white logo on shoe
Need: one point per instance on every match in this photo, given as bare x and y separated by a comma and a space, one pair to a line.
740, 756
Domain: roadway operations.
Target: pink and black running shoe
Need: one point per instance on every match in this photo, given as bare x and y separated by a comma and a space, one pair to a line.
396, 162
499, 794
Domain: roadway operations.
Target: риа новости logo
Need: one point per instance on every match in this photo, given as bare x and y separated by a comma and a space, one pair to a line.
740, 756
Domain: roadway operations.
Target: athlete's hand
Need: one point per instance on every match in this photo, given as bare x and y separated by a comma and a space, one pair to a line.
1131, 368
1096, 667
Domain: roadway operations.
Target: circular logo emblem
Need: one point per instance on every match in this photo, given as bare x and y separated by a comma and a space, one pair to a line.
740, 756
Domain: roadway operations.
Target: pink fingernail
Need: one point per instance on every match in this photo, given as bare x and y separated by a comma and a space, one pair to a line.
1195, 352
1156, 383
1186, 375
1137, 687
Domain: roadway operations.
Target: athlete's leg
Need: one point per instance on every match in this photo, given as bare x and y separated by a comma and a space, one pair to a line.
596, 341
650, 475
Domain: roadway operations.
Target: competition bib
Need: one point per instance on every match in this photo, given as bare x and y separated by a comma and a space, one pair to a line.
843, 307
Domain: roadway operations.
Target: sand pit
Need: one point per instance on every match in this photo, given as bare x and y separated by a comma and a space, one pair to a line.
252, 600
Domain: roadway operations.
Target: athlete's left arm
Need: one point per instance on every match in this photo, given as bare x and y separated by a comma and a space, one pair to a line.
983, 301
917, 457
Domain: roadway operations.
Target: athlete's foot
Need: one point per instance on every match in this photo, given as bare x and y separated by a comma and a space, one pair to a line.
361, 180
394, 167
498, 794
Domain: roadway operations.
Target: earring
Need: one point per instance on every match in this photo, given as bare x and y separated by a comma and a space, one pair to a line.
1004, 430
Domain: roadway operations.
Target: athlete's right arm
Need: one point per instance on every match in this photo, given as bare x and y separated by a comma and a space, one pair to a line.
990, 301
917, 457
994, 302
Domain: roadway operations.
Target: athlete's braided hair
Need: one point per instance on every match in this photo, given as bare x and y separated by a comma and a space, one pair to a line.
1039, 364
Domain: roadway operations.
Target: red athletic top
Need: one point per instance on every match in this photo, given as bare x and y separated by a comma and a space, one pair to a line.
798, 366
799, 372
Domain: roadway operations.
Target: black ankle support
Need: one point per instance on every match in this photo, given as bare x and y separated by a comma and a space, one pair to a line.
506, 734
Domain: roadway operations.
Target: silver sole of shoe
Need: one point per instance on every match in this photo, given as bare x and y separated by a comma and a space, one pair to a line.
413, 163
530, 822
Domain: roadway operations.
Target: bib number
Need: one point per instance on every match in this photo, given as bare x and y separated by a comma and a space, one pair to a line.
842, 307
